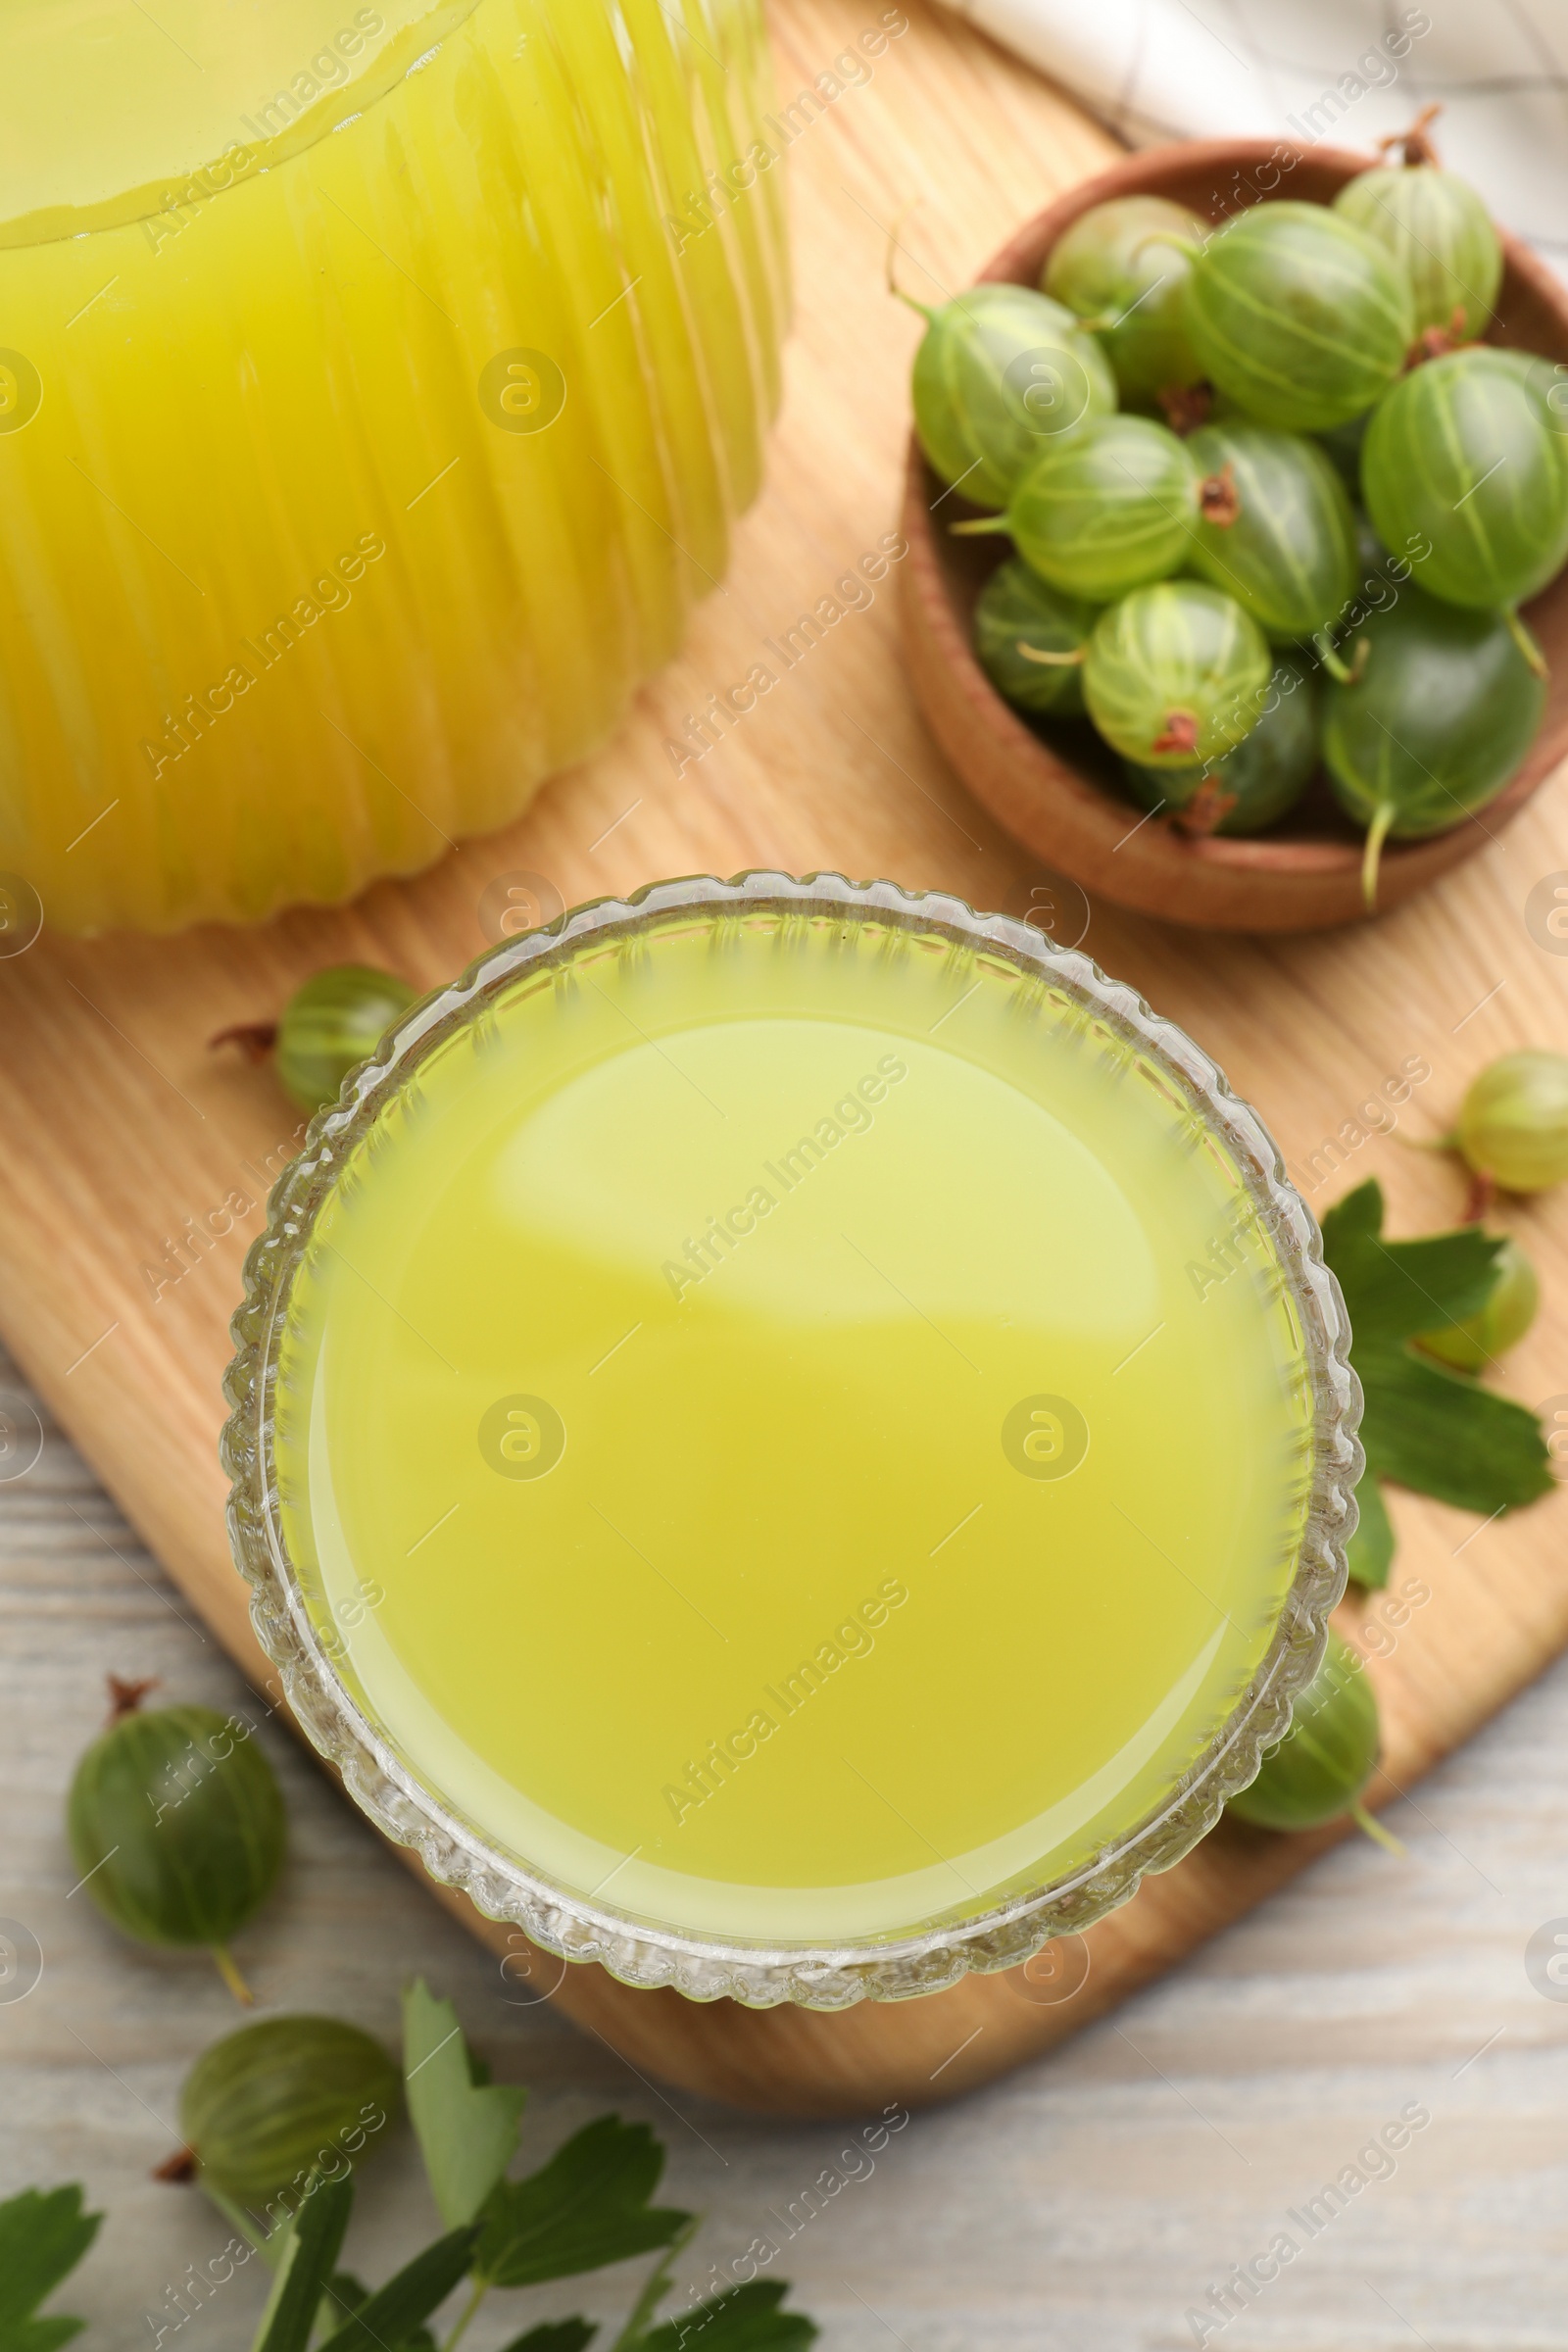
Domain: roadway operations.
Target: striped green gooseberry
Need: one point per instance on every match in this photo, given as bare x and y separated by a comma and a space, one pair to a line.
1246, 789
1513, 1122
1175, 675
1275, 527
177, 1825
1016, 616
1430, 724
1298, 316
1327, 1757
1122, 267
1437, 231
1462, 452
333, 1021
268, 2105
1003, 372
1105, 509
1478, 1342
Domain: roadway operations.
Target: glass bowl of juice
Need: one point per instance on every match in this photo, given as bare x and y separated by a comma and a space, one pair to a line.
379, 386
792, 1439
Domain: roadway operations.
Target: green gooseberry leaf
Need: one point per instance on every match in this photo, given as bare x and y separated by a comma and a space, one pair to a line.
43, 2236
1446, 1435
467, 2128
1395, 1290
587, 2207
1438, 1432
306, 2264
394, 2311
556, 2335
1371, 1547
743, 2318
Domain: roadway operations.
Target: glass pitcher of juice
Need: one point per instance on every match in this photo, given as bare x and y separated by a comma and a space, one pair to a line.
792, 1439
377, 388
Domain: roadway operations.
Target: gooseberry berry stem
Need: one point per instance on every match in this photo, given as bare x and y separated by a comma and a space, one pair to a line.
223, 1960
979, 524
1526, 643
1482, 1194
1414, 145
1377, 834
893, 245
1343, 673
1035, 653
1372, 1828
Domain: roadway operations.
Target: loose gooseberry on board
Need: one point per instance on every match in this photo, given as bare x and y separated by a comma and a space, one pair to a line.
1017, 615
1460, 453
1298, 316
266, 2105
1275, 527
1471, 1346
1002, 373
1176, 675
1122, 269
1327, 1757
177, 1825
1252, 786
1104, 510
1512, 1126
333, 1022
1434, 724
1437, 231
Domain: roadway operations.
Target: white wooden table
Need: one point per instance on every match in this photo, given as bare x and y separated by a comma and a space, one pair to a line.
1085, 2205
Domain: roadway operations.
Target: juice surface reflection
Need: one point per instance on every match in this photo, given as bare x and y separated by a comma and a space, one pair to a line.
761, 1431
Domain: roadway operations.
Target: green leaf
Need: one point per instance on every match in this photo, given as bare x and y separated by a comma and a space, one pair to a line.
395, 2310
1394, 1289
43, 2236
588, 2206
467, 2130
1448, 1437
743, 2318
555, 2336
305, 2265
1371, 1547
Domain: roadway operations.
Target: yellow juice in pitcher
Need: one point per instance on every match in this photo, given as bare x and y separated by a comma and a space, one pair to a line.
365, 429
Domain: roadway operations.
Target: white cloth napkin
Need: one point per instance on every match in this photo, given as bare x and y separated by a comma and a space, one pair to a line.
1338, 73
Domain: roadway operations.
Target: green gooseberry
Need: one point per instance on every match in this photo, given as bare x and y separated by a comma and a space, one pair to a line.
1326, 1758
267, 2105
1275, 527
1460, 454
1298, 316
177, 1825
1546, 378
1016, 609
1175, 675
333, 1023
1440, 235
1122, 267
1513, 1122
1002, 373
1246, 789
1471, 1346
1104, 510
1432, 725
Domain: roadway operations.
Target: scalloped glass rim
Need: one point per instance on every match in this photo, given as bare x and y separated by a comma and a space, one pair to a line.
705, 1968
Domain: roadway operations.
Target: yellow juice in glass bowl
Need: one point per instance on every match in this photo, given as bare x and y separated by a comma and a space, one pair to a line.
377, 388
793, 1437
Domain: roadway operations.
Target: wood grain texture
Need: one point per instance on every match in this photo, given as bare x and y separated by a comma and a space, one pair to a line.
120, 1133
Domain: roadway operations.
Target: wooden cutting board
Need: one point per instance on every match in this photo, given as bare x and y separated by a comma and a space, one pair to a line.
121, 1134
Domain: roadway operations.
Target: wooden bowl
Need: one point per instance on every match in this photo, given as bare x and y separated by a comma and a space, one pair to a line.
1070, 808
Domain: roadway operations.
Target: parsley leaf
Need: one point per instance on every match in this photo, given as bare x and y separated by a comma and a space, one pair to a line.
43, 2236
742, 2319
467, 2128
588, 2206
1437, 1430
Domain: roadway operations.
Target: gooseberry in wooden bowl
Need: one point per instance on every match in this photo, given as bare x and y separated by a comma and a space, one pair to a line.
1062, 794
